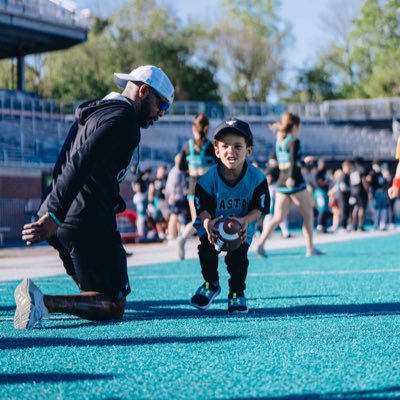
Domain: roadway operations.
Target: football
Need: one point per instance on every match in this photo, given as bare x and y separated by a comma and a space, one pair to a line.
228, 235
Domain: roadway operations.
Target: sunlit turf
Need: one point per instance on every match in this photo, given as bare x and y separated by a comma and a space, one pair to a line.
318, 328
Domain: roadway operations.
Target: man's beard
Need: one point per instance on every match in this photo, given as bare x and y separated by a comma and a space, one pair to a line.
144, 112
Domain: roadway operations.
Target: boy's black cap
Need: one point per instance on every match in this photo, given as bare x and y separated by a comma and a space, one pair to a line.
237, 125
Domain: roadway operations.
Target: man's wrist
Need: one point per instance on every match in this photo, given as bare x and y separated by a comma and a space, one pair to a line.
54, 218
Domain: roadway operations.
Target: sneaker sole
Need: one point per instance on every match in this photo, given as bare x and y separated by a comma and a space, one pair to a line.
209, 304
238, 312
23, 314
262, 256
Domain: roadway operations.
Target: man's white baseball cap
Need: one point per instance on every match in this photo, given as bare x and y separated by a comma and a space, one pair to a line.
152, 76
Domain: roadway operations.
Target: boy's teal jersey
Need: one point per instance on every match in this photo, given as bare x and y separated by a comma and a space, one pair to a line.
222, 198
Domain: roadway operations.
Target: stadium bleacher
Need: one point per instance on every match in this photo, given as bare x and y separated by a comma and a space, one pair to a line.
32, 130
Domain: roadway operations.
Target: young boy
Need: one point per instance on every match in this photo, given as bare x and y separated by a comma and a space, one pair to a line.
233, 187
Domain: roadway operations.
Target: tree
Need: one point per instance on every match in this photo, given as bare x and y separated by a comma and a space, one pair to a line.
81, 72
364, 54
337, 60
376, 51
7, 74
250, 40
313, 85
138, 33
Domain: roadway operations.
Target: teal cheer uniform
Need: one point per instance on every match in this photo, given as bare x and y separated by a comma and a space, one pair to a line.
288, 151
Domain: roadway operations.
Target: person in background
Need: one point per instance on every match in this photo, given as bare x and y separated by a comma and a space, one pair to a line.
157, 205
394, 190
175, 194
78, 215
378, 196
387, 183
197, 156
334, 200
345, 193
271, 175
321, 197
140, 203
290, 186
359, 194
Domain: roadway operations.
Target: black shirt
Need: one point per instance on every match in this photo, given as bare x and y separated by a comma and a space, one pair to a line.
95, 157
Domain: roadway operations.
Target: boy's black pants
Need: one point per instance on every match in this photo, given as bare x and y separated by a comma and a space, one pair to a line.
236, 261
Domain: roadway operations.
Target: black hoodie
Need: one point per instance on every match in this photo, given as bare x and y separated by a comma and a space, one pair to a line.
95, 157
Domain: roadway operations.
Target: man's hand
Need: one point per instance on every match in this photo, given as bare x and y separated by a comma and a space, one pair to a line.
39, 231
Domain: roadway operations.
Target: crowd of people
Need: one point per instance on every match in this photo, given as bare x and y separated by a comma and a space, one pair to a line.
334, 199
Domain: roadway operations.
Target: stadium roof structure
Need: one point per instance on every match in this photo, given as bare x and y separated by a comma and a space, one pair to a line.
39, 26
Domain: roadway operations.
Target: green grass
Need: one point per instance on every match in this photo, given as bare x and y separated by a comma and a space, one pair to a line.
319, 328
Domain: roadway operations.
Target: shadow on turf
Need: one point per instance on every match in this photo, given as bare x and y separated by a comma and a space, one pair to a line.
23, 343
172, 309
7, 308
9, 379
150, 310
168, 309
356, 395
149, 304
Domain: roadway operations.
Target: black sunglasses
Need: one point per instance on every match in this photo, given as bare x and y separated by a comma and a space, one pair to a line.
162, 104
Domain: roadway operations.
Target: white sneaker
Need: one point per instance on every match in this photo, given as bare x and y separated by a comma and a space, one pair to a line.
181, 248
30, 306
320, 228
314, 252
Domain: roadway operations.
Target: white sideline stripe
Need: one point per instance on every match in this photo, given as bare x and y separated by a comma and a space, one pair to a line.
343, 272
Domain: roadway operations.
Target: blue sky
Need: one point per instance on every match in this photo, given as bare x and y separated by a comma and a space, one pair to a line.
307, 18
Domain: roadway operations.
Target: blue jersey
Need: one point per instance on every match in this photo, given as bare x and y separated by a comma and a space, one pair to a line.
219, 197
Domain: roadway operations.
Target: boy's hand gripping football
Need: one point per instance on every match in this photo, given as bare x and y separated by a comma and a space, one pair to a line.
210, 225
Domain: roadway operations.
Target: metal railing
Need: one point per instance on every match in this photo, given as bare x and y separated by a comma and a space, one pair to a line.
326, 111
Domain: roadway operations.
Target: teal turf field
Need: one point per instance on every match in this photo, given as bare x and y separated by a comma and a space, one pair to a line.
318, 328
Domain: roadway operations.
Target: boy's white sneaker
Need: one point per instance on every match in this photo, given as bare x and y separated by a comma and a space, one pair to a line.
30, 306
